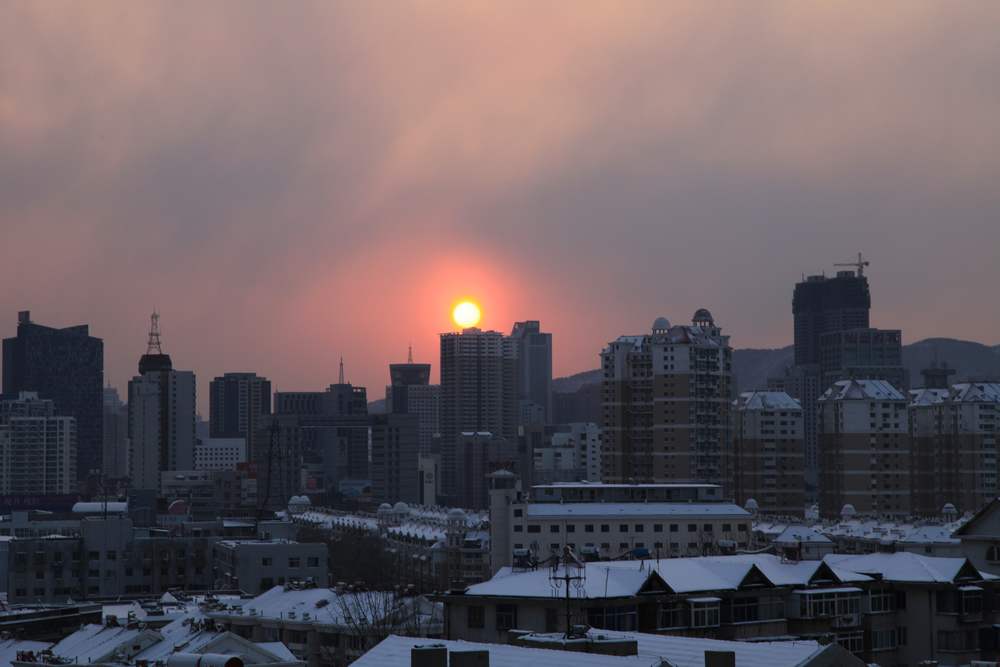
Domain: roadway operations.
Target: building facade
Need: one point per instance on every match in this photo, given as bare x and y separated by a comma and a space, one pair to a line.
865, 452
236, 402
666, 404
37, 447
395, 469
533, 350
871, 354
478, 394
66, 366
161, 417
115, 440
769, 458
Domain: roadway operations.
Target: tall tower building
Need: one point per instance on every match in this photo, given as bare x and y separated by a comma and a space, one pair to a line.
533, 350
37, 447
161, 416
820, 306
115, 435
410, 392
478, 393
236, 402
66, 366
666, 399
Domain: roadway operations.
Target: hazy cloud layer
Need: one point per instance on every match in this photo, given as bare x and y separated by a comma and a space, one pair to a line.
288, 182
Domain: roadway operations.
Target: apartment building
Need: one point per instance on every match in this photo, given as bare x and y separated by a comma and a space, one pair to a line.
665, 404
769, 452
865, 454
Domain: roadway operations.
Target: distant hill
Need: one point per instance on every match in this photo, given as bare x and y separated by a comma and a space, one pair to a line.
577, 397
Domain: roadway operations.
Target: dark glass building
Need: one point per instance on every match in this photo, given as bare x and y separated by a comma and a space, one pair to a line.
401, 378
822, 305
236, 402
533, 349
67, 366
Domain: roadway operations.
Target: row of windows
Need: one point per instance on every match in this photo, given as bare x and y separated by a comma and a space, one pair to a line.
624, 528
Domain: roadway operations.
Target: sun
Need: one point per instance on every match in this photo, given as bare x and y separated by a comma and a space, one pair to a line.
466, 314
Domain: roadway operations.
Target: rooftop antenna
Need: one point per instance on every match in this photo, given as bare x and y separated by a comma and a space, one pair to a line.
409, 354
341, 376
858, 265
153, 346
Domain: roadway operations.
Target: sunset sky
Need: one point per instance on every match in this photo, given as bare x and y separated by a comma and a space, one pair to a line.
288, 182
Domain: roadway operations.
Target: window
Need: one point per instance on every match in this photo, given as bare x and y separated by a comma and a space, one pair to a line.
623, 528
705, 613
692, 528
639, 528
993, 553
605, 528
532, 528
956, 640
506, 616
657, 527
673, 615
266, 561
518, 513
819, 605
884, 640
294, 561
852, 641
553, 528
613, 618
476, 616
674, 528
727, 527
745, 610
708, 528
518, 528
881, 600
589, 528
571, 528
312, 561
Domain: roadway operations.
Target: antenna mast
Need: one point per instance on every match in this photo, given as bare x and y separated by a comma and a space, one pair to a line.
153, 345
341, 376
409, 354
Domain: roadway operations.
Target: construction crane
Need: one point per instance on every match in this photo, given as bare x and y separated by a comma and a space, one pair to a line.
858, 265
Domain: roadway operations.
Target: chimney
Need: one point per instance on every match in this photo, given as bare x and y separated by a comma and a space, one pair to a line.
470, 659
429, 655
720, 658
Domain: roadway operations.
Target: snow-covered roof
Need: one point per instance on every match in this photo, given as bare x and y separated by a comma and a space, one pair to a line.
394, 651
9, 648
616, 579
804, 534
93, 642
606, 485
977, 392
99, 507
767, 400
906, 567
846, 390
927, 397
630, 510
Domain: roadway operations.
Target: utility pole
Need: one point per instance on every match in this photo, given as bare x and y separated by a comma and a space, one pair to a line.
574, 573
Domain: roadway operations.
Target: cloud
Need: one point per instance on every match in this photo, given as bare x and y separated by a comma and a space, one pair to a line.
287, 182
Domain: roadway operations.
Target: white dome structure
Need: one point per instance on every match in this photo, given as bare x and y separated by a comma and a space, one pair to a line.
751, 506
660, 325
385, 507
847, 511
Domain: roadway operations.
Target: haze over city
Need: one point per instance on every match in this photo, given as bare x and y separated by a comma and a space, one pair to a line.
289, 183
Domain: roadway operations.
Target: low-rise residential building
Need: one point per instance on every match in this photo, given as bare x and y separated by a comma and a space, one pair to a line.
769, 452
612, 520
192, 639
890, 609
327, 627
255, 566
979, 538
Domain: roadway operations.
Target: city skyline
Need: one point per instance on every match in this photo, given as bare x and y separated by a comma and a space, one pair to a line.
292, 183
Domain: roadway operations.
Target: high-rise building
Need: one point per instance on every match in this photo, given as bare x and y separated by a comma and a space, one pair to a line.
870, 354
331, 435
666, 400
161, 417
395, 469
820, 305
410, 392
237, 401
769, 456
865, 453
478, 393
66, 366
477, 456
954, 436
37, 447
115, 427
533, 349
